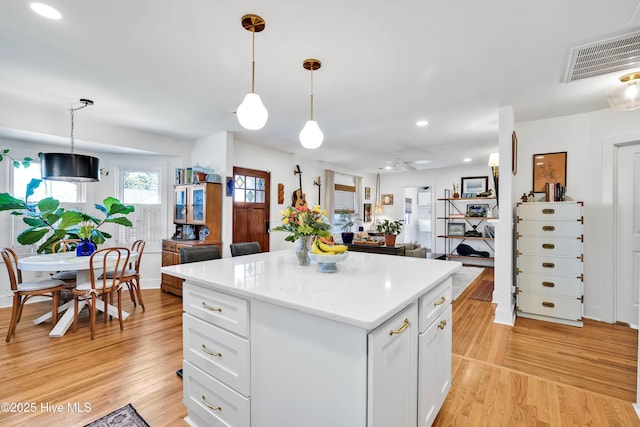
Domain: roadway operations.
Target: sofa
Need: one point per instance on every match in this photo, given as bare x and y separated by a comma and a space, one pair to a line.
413, 249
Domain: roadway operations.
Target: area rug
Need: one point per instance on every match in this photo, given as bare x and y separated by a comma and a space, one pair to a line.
127, 416
483, 292
463, 278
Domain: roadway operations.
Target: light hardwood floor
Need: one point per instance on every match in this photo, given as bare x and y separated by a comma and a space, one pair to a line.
535, 373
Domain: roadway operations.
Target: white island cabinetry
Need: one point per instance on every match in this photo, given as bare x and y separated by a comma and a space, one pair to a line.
270, 343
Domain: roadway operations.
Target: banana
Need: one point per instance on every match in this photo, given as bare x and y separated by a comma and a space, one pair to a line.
336, 249
315, 248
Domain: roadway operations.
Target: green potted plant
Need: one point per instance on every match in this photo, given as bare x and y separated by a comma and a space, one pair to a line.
346, 222
390, 229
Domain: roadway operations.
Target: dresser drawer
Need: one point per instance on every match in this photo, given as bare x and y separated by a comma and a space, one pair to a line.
221, 354
549, 305
168, 246
549, 246
551, 285
212, 401
434, 302
551, 266
549, 228
225, 311
551, 211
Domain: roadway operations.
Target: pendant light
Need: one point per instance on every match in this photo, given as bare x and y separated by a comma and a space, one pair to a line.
251, 113
70, 166
378, 208
311, 136
626, 97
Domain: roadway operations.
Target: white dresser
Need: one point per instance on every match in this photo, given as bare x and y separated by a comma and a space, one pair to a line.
550, 262
268, 343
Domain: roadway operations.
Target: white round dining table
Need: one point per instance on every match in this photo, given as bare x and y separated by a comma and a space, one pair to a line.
67, 261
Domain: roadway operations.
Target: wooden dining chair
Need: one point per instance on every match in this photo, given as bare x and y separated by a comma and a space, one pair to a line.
22, 291
115, 259
65, 245
131, 275
244, 248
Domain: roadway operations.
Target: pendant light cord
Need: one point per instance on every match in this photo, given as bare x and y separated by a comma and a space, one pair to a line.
253, 60
311, 108
72, 110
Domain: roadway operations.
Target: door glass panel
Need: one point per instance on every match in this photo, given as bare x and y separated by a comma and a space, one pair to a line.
251, 182
249, 189
260, 197
181, 202
251, 196
260, 185
198, 204
238, 195
240, 181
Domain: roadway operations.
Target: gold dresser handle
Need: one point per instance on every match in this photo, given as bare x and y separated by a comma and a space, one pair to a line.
548, 265
442, 301
206, 350
442, 324
208, 405
548, 246
548, 284
208, 307
548, 228
402, 328
548, 211
548, 304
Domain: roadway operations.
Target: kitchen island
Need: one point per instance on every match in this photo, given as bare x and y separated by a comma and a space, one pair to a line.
270, 343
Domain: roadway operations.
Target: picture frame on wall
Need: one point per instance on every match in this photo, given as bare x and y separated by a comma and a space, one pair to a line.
549, 168
367, 193
472, 185
455, 229
386, 199
367, 212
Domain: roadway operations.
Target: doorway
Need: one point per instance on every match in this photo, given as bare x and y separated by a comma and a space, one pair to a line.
418, 216
251, 198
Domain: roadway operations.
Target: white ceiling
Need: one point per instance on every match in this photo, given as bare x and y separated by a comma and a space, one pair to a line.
180, 68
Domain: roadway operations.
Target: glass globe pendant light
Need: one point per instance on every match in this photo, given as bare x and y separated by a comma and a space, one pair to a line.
251, 113
626, 97
311, 136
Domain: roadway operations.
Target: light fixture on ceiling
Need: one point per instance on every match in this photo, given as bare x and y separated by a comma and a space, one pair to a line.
422, 123
70, 166
252, 114
626, 97
494, 162
46, 11
311, 136
378, 208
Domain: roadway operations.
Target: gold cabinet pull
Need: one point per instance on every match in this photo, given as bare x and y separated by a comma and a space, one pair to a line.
548, 284
210, 406
442, 301
212, 353
442, 324
548, 246
548, 211
548, 228
402, 328
548, 304
208, 307
548, 265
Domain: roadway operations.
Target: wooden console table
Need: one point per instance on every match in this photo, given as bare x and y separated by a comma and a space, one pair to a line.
387, 250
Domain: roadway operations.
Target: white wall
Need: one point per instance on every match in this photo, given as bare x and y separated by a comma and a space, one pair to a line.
585, 137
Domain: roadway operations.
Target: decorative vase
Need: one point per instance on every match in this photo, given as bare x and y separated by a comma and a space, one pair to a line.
85, 248
347, 237
390, 239
302, 250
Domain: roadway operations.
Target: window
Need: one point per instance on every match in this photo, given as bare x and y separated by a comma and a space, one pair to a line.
344, 200
140, 187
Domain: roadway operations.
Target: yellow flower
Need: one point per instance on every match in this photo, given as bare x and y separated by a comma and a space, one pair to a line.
285, 220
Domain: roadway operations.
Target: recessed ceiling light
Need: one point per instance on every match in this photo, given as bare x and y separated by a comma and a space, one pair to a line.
422, 123
467, 159
45, 10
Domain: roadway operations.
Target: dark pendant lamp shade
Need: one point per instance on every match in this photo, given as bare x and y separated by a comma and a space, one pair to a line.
69, 167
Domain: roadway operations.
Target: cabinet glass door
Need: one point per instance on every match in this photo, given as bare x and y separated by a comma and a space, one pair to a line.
180, 212
198, 205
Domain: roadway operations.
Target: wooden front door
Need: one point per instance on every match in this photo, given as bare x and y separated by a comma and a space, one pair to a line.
251, 206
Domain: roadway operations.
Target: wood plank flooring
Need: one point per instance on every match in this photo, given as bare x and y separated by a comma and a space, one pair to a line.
535, 373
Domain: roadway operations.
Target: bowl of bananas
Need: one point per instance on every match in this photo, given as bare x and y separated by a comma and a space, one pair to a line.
327, 255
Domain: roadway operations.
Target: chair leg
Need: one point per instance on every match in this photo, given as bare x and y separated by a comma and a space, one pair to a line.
93, 316
75, 313
131, 293
120, 309
138, 291
54, 308
14, 316
107, 299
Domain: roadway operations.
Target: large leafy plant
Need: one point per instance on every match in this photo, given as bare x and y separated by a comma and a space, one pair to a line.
47, 218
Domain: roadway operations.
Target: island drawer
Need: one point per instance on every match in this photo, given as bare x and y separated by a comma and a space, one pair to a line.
434, 302
212, 401
220, 353
220, 309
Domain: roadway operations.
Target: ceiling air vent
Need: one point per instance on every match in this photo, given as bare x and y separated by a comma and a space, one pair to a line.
603, 57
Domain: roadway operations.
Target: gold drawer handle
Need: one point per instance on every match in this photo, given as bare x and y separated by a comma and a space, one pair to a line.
548, 211
548, 284
208, 307
442, 324
548, 246
442, 301
208, 405
402, 328
548, 304
548, 228
548, 265
212, 353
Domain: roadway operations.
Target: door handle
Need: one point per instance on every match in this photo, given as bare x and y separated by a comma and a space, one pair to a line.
401, 329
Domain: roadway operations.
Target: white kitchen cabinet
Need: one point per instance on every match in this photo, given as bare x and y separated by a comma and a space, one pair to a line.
550, 261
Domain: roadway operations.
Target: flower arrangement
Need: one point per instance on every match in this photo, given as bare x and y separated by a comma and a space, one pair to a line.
85, 229
304, 222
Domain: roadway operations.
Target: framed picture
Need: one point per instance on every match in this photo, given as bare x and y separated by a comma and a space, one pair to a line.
479, 211
549, 168
367, 193
367, 212
455, 229
386, 199
474, 185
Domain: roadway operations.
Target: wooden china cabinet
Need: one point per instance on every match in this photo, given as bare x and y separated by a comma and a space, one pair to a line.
196, 208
